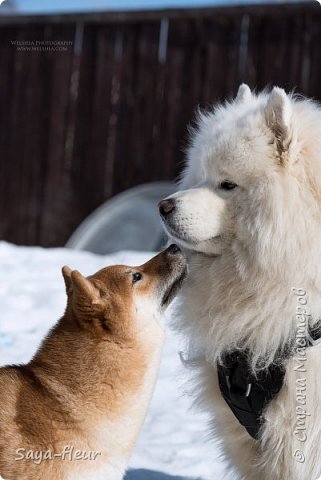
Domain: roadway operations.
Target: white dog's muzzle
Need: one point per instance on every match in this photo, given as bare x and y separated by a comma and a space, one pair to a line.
197, 219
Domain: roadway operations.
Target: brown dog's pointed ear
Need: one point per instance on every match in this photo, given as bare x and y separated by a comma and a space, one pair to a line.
66, 273
82, 286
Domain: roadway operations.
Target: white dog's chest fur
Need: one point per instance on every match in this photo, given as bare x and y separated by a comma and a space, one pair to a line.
286, 434
273, 457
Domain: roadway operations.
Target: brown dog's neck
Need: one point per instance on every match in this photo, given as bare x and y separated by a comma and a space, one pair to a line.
76, 366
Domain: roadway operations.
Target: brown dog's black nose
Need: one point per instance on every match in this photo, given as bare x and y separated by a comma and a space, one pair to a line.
173, 249
166, 207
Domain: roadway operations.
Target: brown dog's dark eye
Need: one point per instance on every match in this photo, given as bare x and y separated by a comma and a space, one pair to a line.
227, 185
136, 277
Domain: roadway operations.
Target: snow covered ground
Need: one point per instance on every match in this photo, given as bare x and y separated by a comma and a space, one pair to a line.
32, 298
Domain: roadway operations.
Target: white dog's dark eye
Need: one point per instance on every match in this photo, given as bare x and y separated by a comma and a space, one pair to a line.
226, 185
136, 277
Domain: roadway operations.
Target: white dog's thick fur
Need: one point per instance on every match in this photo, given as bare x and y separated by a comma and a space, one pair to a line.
252, 241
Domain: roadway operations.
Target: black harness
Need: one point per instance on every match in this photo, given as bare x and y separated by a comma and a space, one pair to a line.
248, 395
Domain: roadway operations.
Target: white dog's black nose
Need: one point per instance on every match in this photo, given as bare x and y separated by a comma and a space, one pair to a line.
166, 206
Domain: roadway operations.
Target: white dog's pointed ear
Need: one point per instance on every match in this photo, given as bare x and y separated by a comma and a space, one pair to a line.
278, 117
244, 93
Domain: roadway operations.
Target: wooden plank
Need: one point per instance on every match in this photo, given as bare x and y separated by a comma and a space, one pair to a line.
148, 82
81, 157
313, 62
222, 58
120, 153
102, 96
175, 109
56, 184
161, 148
113, 128
7, 64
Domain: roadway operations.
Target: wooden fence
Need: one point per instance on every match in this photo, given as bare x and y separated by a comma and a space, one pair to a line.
93, 104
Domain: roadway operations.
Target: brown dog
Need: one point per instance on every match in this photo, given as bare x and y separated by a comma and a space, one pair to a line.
75, 410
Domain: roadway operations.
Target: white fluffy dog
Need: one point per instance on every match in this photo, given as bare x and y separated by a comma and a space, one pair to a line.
249, 213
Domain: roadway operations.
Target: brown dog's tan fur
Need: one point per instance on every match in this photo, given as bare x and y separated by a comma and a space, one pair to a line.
90, 382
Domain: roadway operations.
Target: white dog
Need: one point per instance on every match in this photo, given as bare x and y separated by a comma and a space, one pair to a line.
249, 213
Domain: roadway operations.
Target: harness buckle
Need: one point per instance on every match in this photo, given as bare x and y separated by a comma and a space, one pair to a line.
248, 389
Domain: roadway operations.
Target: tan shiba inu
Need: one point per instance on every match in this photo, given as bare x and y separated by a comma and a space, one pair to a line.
75, 410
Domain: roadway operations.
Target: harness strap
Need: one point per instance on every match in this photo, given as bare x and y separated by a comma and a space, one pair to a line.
314, 335
248, 395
